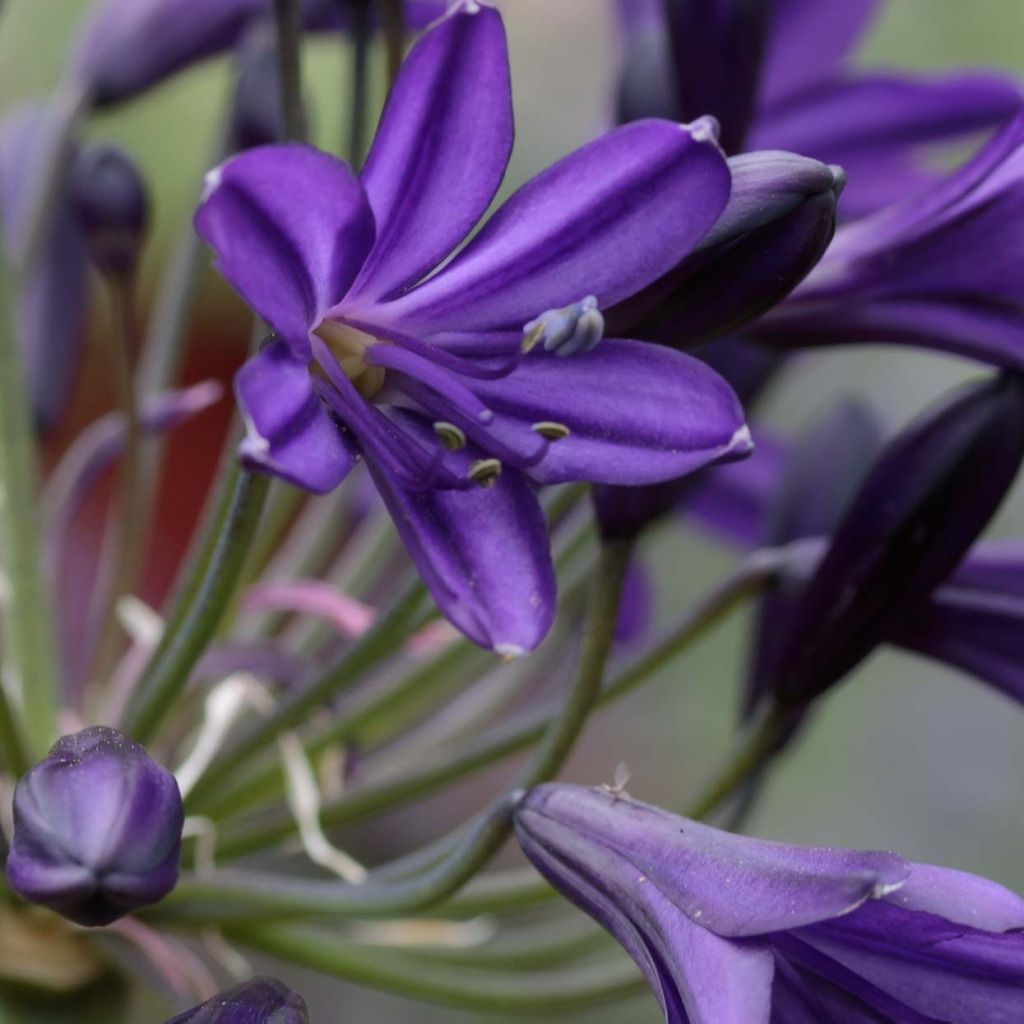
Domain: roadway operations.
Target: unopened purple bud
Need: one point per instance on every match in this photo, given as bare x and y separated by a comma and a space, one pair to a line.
779, 220
258, 116
930, 494
112, 205
97, 829
259, 1001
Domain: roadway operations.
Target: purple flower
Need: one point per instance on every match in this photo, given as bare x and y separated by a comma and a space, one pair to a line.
940, 269
731, 930
788, 86
97, 829
50, 312
128, 46
259, 1001
424, 374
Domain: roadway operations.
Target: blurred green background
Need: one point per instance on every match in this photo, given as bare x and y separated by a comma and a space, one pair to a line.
906, 755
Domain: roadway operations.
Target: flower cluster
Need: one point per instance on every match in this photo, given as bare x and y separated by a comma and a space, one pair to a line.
470, 395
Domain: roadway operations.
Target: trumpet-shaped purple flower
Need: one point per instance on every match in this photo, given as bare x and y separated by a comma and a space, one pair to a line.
731, 930
776, 74
97, 829
128, 46
939, 269
259, 1001
421, 370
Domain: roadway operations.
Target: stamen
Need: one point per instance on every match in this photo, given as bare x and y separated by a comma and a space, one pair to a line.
551, 431
451, 436
484, 472
568, 331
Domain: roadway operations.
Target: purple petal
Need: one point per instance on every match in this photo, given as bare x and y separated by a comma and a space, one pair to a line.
482, 552
290, 227
441, 148
807, 41
606, 221
636, 609
729, 884
960, 897
636, 413
876, 126
288, 431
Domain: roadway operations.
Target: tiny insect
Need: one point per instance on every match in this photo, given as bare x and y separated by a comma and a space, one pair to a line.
620, 779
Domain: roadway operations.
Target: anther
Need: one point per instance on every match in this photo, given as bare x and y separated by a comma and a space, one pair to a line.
551, 430
568, 331
484, 472
451, 436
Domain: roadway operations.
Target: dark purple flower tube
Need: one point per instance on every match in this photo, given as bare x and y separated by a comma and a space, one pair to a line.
939, 270
779, 220
731, 930
927, 498
259, 1001
97, 829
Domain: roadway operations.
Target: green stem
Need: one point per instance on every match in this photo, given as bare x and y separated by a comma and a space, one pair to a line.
288, 19
129, 535
753, 753
487, 834
545, 995
31, 669
359, 100
371, 648
207, 599
510, 737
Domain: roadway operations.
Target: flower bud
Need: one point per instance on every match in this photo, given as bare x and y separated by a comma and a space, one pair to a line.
258, 114
259, 1001
97, 829
112, 206
929, 495
779, 220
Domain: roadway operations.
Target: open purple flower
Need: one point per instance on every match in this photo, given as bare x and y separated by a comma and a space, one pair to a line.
128, 46
776, 75
423, 371
259, 1001
938, 270
97, 829
731, 930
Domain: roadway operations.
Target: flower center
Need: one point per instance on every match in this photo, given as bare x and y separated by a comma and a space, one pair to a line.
349, 346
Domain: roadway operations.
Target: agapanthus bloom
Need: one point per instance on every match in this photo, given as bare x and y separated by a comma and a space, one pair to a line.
731, 930
422, 370
97, 829
777, 75
939, 269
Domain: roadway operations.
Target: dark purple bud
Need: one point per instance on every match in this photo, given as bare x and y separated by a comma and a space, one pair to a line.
625, 512
97, 829
259, 1001
930, 494
112, 206
827, 464
779, 220
717, 47
258, 116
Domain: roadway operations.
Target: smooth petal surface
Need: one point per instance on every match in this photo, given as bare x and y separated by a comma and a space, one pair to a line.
807, 41
605, 221
288, 431
636, 413
483, 552
257, 1001
771, 886
877, 127
290, 227
440, 150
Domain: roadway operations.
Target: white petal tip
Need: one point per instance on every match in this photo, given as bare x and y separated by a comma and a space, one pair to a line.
741, 441
509, 651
